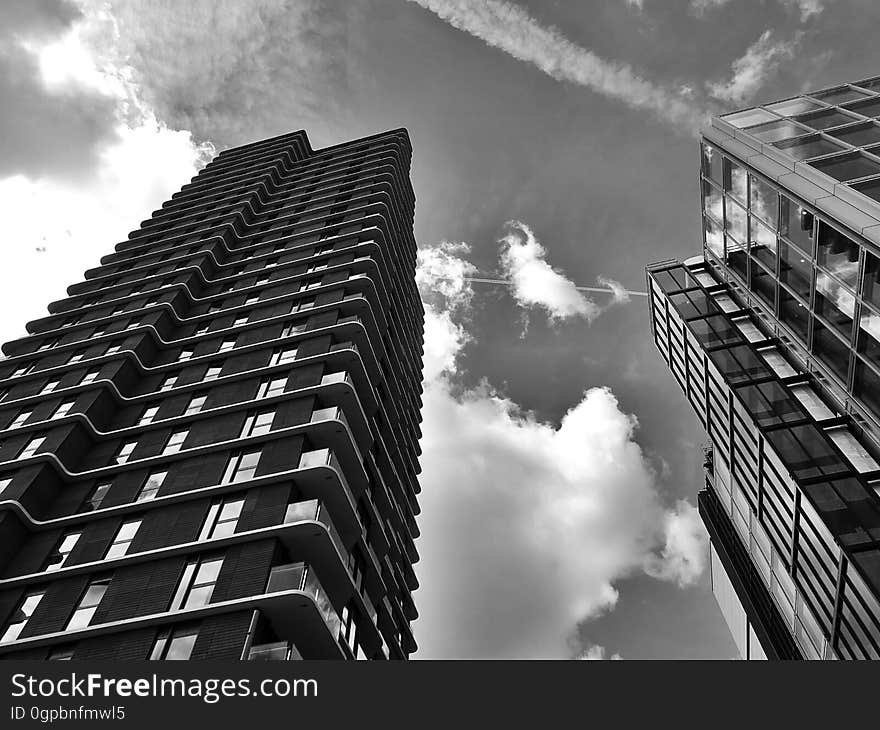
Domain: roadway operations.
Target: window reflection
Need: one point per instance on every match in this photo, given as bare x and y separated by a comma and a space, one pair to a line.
795, 270
735, 220
794, 314
714, 237
712, 164
869, 335
835, 303
762, 243
814, 146
838, 254
871, 291
764, 285
712, 201
796, 225
739, 364
867, 387
806, 452
763, 201
748, 118
770, 404
736, 181
831, 351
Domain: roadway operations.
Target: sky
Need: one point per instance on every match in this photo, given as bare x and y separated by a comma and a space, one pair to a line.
554, 147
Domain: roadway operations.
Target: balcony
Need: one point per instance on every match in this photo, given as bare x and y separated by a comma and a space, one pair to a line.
300, 577
313, 510
279, 651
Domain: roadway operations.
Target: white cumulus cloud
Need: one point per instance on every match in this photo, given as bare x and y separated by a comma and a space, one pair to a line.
527, 525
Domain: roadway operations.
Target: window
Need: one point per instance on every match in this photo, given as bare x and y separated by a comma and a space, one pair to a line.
214, 308
168, 383
257, 424
175, 442
241, 467
99, 332
185, 355
122, 540
201, 329
48, 344
796, 224
272, 387
261, 281
34, 444
226, 345
20, 419
148, 415
243, 319
77, 356
61, 653
22, 614
113, 349
283, 355
291, 328
271, 262
93, 501
252, 299
63, 409
174, 644
4, 484
196, 585
23, 370
195, 405
151, 486
213, 372
88, 604
124, 452
50, 386
90, 377
62, 550
222, 518
134, 323
838, 254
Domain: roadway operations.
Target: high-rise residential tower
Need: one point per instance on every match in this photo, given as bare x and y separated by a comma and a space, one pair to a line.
773, 333
209, 449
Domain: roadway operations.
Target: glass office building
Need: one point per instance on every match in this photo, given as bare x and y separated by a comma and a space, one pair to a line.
773, 334
209, 448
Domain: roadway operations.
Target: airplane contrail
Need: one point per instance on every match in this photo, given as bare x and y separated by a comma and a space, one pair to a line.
507, 282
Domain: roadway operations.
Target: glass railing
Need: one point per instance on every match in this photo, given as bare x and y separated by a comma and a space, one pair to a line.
341, 377
279, 651
325, 457
301, 577
348, 345
312, 509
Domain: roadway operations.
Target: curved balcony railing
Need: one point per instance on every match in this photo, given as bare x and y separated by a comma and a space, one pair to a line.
301, 577
278, 651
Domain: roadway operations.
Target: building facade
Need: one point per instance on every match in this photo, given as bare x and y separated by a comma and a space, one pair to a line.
773, 334
209, 449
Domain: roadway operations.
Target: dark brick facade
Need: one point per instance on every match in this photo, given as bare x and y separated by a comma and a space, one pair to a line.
238, 380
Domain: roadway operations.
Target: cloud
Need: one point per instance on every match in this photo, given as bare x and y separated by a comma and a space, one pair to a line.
751, 70
46, 130
526, 525
233, 71
682, 558
535, 283
441, 276
597, 653
698, 7
807, 8
508, 27
55, 228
